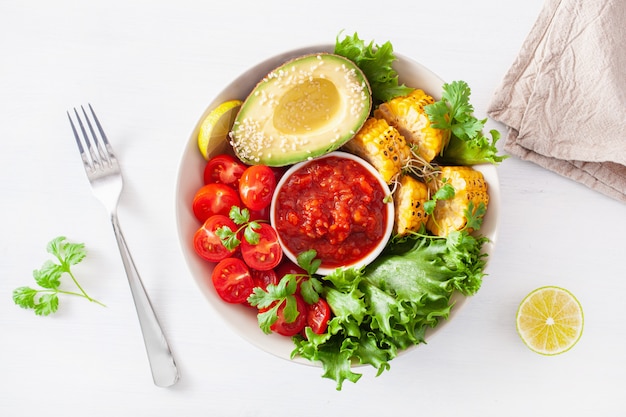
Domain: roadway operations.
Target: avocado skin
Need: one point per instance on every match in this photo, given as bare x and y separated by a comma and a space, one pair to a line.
324, 89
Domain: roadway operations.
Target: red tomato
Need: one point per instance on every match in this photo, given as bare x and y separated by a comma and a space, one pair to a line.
288, 267
266, 254
214, 199
263, 214
256, 186
318, 316
289, 329
232, 280
224, 169
263, 278
278, 172
206, 242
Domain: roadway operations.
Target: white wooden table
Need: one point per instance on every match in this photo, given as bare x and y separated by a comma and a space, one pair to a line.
150, 68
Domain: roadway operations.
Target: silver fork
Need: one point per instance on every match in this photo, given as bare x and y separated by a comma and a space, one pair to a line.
105, 176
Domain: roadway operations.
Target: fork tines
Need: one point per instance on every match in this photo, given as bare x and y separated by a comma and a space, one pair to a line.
100, 152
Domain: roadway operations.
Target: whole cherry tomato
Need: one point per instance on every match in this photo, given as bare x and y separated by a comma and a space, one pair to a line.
256, 186
224, 169
214, 199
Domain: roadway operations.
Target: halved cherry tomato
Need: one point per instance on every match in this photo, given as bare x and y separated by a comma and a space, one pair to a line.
224, 169
208, 244
318, 316
214, 199
256, 186
288, 267
264, 278
281, 326
266, 254
232, 280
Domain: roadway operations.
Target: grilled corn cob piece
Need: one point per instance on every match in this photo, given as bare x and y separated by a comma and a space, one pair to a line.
409, 199
407, 115
382, 146
469, 186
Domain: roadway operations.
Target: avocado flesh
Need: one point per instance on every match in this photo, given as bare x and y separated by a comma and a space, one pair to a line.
306, 108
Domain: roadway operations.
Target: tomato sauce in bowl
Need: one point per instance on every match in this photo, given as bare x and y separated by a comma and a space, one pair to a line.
335, 205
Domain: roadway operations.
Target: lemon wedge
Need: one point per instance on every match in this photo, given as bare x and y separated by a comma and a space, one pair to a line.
550, 320
214, 129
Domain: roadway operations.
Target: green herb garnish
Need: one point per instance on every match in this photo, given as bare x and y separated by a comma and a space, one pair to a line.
466, 144
45, 301
376, 63
275, 296
241, 217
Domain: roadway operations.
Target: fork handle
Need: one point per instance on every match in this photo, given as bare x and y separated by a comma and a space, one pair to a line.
162, 364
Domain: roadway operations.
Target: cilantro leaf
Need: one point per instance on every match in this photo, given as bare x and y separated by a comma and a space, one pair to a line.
250, 233
241, 217
45, 301
228, 237
48, 304
282, 294
49, 276
307, 261
465, 143
474, 215
24, 297
310, 289
67, 253
445, 192
238, 215
272, 298
376, 63
454, 111
290, 310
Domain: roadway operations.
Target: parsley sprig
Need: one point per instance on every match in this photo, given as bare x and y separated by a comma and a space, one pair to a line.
45, 301
283, 293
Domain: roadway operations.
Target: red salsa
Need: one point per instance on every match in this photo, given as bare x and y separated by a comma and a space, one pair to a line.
335, 206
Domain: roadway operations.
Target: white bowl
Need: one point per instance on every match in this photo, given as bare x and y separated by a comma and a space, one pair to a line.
242, 320
388, 213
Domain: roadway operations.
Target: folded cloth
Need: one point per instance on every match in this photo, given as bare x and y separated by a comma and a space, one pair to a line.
564, 98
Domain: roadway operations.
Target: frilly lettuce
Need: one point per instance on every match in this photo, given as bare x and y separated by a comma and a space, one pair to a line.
388, 306
376, 63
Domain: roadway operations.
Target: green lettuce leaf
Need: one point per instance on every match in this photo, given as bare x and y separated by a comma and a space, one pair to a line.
389, 305
376, 63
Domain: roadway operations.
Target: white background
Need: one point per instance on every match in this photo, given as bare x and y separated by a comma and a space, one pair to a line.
150, 68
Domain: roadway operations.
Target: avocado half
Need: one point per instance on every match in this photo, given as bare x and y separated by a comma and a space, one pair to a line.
305, 108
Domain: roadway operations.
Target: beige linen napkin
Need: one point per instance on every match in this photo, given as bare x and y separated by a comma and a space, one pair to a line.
564, 98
